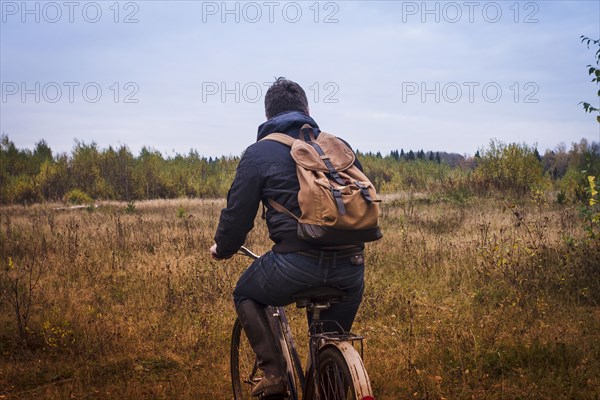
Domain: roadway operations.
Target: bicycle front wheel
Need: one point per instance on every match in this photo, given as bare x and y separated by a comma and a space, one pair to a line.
245, 373
341, 375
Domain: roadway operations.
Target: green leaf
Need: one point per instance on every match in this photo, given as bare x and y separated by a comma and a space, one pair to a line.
598, 118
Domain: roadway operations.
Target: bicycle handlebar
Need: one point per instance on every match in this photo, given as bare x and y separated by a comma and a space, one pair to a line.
244, 250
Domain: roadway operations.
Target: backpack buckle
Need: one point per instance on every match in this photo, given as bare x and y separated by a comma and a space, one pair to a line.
364, 191
337, 195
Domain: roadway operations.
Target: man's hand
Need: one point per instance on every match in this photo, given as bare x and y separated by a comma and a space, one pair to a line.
215, 255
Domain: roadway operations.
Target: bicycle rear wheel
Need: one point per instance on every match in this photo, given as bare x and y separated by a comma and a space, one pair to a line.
342, 375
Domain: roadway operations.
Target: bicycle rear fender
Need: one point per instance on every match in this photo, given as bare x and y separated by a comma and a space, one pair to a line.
355, 365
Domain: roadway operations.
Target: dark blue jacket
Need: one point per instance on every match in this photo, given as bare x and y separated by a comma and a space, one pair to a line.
266, 170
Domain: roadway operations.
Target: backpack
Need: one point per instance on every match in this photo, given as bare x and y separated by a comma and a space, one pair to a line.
338, 203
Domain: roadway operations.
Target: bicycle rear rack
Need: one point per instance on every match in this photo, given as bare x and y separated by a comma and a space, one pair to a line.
318, 334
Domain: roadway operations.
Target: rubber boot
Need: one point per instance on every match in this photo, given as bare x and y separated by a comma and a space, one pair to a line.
256, 324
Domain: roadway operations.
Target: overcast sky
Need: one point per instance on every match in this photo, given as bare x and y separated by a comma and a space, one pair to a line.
385, 75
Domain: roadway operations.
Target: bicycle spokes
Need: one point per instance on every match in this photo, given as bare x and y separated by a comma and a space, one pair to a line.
333, 385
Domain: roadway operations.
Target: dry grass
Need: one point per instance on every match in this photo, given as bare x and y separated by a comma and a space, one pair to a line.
463, 301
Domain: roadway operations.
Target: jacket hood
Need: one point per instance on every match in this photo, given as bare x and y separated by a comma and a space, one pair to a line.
288, 122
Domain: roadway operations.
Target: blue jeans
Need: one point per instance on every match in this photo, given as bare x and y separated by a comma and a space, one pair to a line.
274, 278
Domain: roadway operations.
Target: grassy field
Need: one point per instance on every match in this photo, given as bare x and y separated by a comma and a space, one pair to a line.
464, 300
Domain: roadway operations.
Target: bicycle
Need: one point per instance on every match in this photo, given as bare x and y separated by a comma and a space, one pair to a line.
338, 374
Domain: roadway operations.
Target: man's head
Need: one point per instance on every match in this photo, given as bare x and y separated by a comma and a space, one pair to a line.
285, 95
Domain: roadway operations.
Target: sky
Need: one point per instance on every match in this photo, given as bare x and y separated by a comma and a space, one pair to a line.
384, 75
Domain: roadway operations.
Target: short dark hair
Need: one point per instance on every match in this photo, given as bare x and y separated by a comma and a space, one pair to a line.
285, 95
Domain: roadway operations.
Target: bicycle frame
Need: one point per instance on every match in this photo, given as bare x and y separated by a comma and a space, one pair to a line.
289, 351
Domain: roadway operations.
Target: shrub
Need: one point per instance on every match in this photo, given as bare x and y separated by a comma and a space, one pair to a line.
130, 208
513, 168
24, 191
77, 196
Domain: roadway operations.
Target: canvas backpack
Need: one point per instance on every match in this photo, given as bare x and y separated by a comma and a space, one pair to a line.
338, 203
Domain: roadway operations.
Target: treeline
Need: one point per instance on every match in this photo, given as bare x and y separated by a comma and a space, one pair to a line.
89, 173
510, 169
439, 157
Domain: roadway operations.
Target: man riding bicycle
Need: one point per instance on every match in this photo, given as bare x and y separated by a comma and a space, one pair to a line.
267, 172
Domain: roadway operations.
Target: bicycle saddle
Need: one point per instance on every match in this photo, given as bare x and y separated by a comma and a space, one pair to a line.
324, 294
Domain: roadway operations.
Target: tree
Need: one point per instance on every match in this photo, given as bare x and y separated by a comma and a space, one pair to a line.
556, 162
595, 73
42, 152
85, 171
53, 178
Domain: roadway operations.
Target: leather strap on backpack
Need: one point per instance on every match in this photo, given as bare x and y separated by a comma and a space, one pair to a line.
337, 195
307, 134
332, 171
282, 209
280, 137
